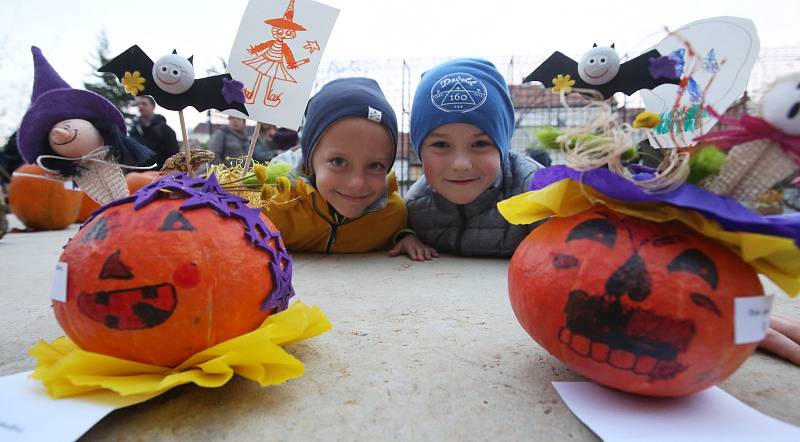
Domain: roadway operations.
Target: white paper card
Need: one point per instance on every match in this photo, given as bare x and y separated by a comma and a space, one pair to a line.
751, 318
710, 415
58, 291
27, 413
727, 48
276, 55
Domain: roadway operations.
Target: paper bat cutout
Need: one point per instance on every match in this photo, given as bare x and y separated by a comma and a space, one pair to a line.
170, 81
600, 69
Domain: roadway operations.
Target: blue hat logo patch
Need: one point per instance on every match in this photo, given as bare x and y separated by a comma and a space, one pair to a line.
458, 92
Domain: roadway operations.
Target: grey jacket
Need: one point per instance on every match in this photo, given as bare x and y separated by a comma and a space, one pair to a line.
477, 228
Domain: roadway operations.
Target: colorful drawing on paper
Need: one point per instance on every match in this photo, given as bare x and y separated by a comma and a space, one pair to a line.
713, 59
274, 58
276, 55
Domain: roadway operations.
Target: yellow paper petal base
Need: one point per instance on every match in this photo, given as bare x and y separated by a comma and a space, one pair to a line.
778, 258
66, 370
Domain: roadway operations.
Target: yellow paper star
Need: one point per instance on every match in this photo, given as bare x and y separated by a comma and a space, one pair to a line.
563, 83
133, 82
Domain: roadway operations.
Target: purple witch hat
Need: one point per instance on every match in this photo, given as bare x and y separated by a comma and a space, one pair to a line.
53, 100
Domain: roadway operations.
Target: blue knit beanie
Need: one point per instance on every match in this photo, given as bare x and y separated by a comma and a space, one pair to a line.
464, 90
346, 97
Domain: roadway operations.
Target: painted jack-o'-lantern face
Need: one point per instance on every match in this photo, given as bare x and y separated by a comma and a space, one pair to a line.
640, 306
162, 282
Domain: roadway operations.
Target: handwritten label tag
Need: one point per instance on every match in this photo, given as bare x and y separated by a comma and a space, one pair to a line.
751, 318
58, 291
69, 185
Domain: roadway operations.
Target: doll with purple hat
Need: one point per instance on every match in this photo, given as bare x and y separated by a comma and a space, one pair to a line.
77, 134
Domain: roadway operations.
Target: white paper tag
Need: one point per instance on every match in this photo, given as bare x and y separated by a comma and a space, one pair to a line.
69, 185
58, 291
751, 318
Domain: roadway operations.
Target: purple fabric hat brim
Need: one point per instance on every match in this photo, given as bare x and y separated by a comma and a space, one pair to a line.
57, 105
729, 213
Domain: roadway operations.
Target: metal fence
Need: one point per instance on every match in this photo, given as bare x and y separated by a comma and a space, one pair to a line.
399, 78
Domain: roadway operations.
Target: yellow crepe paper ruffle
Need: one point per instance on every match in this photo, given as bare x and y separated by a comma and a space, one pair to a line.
66, 370
776, 257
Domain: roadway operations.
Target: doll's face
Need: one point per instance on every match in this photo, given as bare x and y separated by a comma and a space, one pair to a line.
599, 65
350, 163
781, 105
74, 138
460, 161
173, 74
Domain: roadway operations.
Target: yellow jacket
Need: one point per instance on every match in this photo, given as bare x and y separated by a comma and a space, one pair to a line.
306, 223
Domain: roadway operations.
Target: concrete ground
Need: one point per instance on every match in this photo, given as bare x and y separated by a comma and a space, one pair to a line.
419, 351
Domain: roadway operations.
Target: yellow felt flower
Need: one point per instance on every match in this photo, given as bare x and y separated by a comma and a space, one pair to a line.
66, 370
133, 82
268, 192
283, 184
646, 119
563, 83
261, 172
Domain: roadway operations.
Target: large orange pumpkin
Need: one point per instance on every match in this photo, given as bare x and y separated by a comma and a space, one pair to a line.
161, 275
134, 180
40, 201
639, 306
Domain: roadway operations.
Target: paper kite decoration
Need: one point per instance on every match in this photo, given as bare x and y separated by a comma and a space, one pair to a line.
600, 69
171, 82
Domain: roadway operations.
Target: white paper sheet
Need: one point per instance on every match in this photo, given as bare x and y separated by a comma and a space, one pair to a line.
277, 90
27, 413
727, 45
710, 415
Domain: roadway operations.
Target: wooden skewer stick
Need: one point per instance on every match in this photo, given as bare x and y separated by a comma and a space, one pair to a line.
253, 139
187, 151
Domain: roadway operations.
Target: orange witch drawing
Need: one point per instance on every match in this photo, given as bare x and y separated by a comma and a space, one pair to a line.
274, 58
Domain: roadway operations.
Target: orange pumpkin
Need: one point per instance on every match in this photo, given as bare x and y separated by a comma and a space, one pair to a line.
639, 306
159, 281
88, 205
137, 180
40, 201
134, 180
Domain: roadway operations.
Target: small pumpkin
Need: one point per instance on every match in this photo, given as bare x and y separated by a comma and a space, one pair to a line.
135, 181
170, 271
40, 201
639, 306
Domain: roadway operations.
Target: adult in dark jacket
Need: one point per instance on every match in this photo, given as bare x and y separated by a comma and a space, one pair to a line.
152, 130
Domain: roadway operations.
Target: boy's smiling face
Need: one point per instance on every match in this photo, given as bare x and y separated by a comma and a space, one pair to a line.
350, 163
460, 161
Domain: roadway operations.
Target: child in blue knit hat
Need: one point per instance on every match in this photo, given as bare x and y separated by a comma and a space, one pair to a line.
462, 120
345, 198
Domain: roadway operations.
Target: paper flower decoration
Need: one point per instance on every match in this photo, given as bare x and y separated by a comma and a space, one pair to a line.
232, 91
563, 83
133, 82
646, 119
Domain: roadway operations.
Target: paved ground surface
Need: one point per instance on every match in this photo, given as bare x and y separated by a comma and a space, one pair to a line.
419, 351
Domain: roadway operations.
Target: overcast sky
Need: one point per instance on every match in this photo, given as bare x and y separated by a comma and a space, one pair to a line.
366, 29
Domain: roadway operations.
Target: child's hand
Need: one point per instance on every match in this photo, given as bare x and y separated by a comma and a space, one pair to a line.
415, 249
783, 339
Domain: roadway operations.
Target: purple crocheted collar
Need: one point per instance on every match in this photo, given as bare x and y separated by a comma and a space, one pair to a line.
729, 213
201, 193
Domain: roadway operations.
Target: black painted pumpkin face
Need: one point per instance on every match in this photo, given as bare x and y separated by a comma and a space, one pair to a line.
640, 306
159, 284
